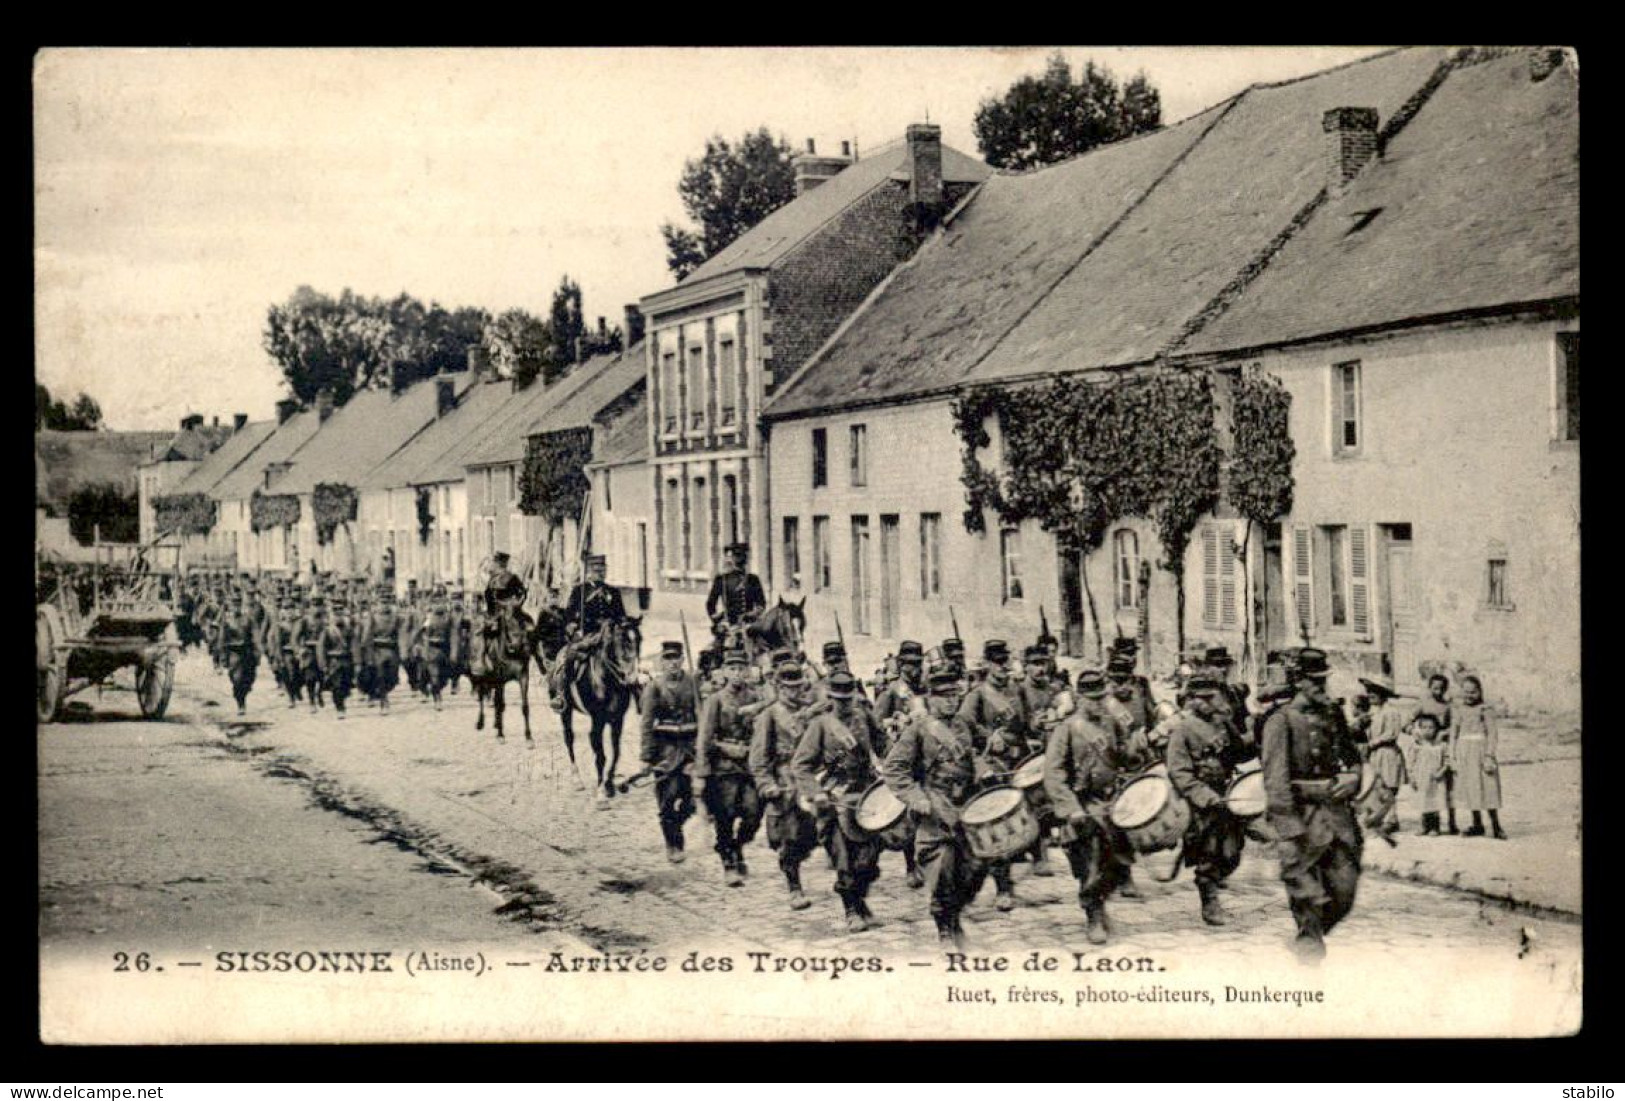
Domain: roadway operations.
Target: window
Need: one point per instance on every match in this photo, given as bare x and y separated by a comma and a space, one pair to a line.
490, 490
860, 455
1568, 386
1331, 569
727, 384
609, 500
696, 387
1496, 591
792, 552
930, 554
1218, 576
820, 457
820, 551
699, 526
668, 390
513, 484
1126, 557
674, 527
1346, 408
860, 575
1336, 539
1010, 556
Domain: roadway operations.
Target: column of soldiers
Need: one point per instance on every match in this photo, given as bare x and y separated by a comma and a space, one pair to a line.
326, 643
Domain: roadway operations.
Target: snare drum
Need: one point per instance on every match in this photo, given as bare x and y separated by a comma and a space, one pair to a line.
1246, 795
884, 817
999, 824
1029, 780
1151, 813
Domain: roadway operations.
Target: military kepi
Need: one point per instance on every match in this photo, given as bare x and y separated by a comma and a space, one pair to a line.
1312, 663
671, 649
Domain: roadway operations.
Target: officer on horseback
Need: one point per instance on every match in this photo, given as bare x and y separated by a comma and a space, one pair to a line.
593, 605
736, 597
504, 604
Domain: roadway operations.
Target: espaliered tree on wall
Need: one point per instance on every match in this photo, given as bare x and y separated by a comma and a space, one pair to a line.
331, 505
1081, 455
553, 480
272, 510
185, 513
425, 503
1259, 485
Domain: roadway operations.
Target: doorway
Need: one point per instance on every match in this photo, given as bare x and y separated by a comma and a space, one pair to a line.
1402, 614
1071, 590
891, 574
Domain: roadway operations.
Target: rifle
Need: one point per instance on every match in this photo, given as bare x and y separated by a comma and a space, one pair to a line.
1043, 623
955, 621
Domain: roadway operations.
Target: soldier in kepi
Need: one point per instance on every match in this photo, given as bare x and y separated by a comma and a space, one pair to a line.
307, 636
381, 646
670, 710
722, 764
991, 713
736, 596
791, 830
436, 639
1311, 776
1202, 756
337, 653
240, 641
504, 606
593, 605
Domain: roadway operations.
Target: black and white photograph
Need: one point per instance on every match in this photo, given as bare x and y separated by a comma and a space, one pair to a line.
841, 543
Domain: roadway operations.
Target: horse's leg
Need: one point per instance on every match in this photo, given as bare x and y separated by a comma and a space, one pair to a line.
499, 690
524, 695
617, 719
602, 779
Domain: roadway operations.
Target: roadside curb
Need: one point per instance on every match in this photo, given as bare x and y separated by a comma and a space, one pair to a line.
1392, 864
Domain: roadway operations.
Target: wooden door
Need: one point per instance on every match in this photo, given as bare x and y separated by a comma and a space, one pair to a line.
1402, 615
891, 574
860, 575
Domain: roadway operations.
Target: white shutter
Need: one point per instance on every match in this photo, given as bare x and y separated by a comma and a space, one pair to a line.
1360, 580
1227, 577
1210, 576
1303, 580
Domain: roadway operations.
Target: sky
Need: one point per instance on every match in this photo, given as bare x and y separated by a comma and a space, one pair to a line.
181, 193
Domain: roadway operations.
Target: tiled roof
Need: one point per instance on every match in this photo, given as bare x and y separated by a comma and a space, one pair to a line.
1478, 206
366, 430
504, 441
225, 458
279, 446
434, 455
784, 229
607, 380
1105, 260
627, 440
192, 444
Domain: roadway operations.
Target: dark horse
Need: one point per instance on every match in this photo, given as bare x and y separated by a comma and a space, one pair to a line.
602, 686
495, 660
779, 627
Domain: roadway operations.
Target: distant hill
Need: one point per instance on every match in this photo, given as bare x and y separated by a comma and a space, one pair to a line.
66, 461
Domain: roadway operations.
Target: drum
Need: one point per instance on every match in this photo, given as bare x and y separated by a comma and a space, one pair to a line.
1029, 780
1151, 813
1246, 795
999, 824
884, 816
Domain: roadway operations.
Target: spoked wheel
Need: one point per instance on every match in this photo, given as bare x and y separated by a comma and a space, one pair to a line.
153, 682
47, 633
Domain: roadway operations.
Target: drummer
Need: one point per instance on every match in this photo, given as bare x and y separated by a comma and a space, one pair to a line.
845, 744
993, 716
1083, 767
930, 767
896, 705
791, 831
1202, 757
1131, 691
722, 767
1035, 704
835, 661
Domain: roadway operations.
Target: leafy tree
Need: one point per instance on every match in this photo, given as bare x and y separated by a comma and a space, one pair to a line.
1052, 117
518, 345
566, 325
84, 415
116, 511
727, 191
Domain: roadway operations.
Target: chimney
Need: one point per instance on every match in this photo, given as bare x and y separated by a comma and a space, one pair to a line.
634, 324
603, 330
581, 350
239, 422
324, 405
1351, 143
925, 171
286, 408
216, 422
812, 170
191, 421
445, 395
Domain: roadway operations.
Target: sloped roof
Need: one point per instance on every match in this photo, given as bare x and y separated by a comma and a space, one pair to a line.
364, 432
504, 441
774, 236
283, 442
428, 457
192, 444
627, 440
1478, 202
610, 380
225, 458
1104, 260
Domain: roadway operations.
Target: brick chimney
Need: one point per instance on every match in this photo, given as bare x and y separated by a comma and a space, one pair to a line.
191, 421
239, 422
1351, 143
925, 171
286, 408
445, 395
812, 170
634, 324
324, 405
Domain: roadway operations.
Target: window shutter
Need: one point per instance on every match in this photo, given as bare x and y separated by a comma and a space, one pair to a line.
1210, 576
1227, 577
1360, 581
1303, 580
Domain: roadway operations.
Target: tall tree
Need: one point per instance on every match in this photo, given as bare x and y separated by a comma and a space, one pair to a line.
518, 345
1052, 117
726, 192
84, 415
566, 325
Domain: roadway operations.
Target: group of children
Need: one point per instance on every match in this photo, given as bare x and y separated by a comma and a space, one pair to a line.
1446, 752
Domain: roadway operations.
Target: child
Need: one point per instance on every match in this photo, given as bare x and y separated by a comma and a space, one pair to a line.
1438, 705
1387, 764
1472, 757
1429, 769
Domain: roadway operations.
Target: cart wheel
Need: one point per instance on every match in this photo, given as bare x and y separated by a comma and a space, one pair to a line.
153, 682
46, 636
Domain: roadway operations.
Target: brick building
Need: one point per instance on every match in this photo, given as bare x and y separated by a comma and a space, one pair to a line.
722, 342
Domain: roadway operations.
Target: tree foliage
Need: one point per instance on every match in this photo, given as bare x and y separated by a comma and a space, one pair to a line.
725, 192
518, 345
83, 415
332, 504
185, 513
553, 479
116, 511
1052, 117
1260, 482
267, 511
565, 323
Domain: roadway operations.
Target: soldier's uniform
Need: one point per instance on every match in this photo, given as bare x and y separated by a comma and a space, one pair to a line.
835, 661
992, 713
791, 830
381, 644
1089, 755
307, 636
722, 767
1130, 692
1202, 756
436, 641
931, 768
1311, 773
338, 657
896, 705
462, 641
284, 658
844, 743
670, 708
241, 647
736, 595
593, 605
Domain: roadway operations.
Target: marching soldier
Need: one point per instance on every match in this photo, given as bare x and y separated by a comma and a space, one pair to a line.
736, 597
461, 639
835, 661
670, 708
1202, 755
307, 635
337, 653
1130, 691
722, 765
931, 768
953, 654
1218, 661
1084, 766
1035, 701
381, 644
593, 604
1059, 677
1311, 776
991, 713
791, 831
286, 653
436, 642
844, 743
896, 705
241, 646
